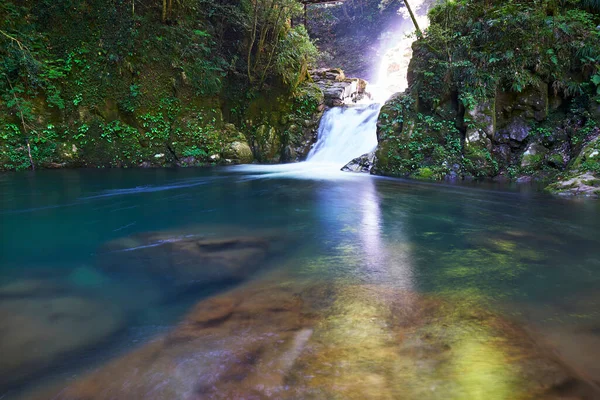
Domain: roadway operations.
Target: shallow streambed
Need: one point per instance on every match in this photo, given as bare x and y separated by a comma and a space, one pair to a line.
312, 284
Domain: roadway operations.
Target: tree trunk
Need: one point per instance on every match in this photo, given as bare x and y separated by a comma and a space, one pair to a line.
414, 20
164, 12
252, 39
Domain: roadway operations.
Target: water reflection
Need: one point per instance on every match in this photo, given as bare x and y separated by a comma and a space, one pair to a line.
385, 291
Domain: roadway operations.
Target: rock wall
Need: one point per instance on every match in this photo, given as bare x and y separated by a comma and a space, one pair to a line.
337, 88
520, 136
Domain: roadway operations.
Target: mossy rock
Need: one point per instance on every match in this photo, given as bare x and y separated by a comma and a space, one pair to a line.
239, 152
589, 157
578, 184
415, 144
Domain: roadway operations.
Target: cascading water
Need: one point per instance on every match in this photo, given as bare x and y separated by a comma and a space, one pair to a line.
349, 132
345, 133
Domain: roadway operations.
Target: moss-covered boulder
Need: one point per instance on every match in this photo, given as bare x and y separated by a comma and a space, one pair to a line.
282, 126
415, 144
239, 152
280, 338
583, 176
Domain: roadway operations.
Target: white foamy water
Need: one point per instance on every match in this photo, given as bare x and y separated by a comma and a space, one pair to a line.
345, 133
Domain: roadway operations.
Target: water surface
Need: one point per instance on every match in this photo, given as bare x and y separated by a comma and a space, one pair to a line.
532, 257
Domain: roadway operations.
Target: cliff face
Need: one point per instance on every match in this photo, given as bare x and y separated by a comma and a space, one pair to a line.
503, 94
91, 84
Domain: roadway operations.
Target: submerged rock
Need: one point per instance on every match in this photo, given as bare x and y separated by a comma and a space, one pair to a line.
37, 332
30, 287
185, 259
284, 340
363, 163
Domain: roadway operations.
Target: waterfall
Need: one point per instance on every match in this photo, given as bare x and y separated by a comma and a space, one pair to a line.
345, 133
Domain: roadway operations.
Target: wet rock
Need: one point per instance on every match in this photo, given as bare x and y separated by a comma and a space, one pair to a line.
530, 104
37, 332
275, 339
518, 130
268, 142
337, 89
533, 155
184, 260
239, 151
583, 184
483, 124
30, 287
363, 163
503, 152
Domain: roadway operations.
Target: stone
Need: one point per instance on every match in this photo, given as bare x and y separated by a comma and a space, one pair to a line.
581, 184
518, 130
240, 151
332, 74
482, 125
363, 163
267, 143
532, 103
37, 332
337, 89
590, 153
30, 287
278, 339
184, 260
87, 277
188, 161
533, 155
503, 152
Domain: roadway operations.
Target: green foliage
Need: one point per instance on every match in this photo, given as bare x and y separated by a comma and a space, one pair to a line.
274, 49
479, 162
195, 152
474, 47
203, 69
418, 145
121, 86
592, 166
295, 54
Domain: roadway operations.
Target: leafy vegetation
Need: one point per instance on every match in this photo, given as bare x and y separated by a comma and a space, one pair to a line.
476, 47
513, 85
124, 81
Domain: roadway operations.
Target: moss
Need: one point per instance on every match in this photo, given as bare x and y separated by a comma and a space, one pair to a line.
478, 162
415, 144
423, 173
556, 160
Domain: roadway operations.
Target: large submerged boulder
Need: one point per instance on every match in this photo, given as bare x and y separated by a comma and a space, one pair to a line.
184, 259
285, 339
38, 330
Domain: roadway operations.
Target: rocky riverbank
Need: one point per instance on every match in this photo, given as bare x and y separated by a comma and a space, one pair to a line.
499, 115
